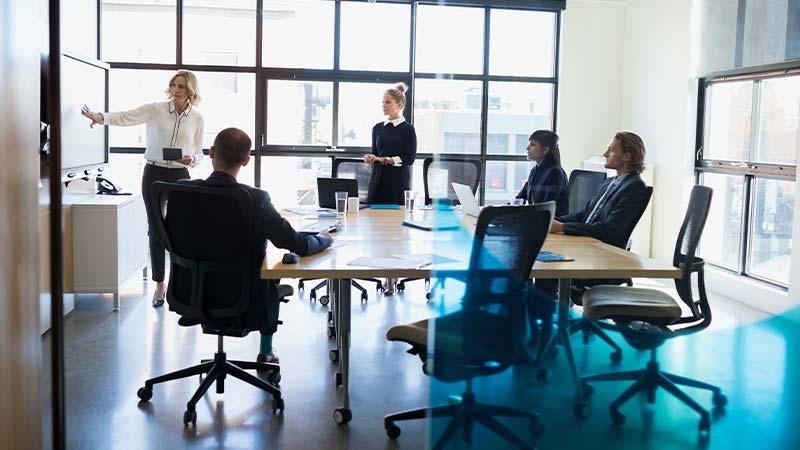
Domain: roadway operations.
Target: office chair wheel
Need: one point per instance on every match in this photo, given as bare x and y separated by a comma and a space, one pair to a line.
392, 430
145, 393
334, 355
704, 426
342, 416
331, 332
581, 409
719, 400
300, 284
364, 297
536, 427
427, 296
401, 286
587, 389
190, 416
277, 404
312, 295
542, 375
324, 300
617, 418
337, 379
616, 357
274, 378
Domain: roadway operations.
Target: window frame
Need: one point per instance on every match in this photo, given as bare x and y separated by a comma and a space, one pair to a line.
750, 169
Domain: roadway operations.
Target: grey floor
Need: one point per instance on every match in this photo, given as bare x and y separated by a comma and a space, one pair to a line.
753, 357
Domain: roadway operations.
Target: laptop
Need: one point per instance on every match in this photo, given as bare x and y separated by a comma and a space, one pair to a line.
328, 187
469, 204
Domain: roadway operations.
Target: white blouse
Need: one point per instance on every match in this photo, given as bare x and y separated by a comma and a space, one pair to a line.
165, 128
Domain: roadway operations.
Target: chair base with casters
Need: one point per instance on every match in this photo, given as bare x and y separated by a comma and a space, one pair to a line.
216, 371
465, 414
325, 299
651, 378
588, 328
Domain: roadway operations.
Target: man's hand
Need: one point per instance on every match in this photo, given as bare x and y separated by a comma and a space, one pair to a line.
327, 235
557, 227
185, 160
96, 118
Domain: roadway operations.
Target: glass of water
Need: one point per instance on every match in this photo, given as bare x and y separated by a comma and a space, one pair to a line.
410, 197
341, 203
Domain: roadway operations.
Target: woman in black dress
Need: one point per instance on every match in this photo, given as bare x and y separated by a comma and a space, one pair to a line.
394, 148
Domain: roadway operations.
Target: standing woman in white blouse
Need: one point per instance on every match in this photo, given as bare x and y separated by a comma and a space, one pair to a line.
174, 123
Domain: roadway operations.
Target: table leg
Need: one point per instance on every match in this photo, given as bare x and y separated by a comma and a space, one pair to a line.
341, 300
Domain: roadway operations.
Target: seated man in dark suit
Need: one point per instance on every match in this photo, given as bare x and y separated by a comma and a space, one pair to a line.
231, 152
617, 203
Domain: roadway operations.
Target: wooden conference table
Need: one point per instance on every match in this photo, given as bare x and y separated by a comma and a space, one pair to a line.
379, 233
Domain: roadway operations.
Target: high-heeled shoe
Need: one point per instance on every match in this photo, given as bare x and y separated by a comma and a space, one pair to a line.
158, 300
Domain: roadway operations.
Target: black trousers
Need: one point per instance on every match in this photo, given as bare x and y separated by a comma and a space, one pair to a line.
152, 174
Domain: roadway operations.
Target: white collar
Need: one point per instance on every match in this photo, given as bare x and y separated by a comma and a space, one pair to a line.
173, 109
395, 122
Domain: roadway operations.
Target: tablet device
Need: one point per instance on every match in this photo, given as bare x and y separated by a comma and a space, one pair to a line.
172, 154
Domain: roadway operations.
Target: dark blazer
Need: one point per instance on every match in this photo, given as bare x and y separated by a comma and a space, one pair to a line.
391, 140
269, 225
615, 220
547, 182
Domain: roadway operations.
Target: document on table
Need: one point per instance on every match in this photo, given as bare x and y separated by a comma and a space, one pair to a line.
405, 261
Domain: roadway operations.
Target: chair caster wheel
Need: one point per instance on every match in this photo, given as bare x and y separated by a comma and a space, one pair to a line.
427, 296
334, 356
145, 393
617, 418
277, 405
300, 285
542, 375
190, 416
364, 297
581, 409
401, 286
392, 430
331, 333
337, 379
324, 300
274, 378
342, 416
616, 357
312, 296
719, 401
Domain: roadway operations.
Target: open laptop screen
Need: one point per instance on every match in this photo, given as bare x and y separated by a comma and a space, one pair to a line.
328, 187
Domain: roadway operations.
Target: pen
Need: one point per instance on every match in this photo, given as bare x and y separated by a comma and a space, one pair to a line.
422, 266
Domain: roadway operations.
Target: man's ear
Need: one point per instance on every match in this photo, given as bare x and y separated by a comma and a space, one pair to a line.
246, 160
211, 152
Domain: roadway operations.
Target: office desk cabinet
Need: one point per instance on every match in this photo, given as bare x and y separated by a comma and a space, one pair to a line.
109, 240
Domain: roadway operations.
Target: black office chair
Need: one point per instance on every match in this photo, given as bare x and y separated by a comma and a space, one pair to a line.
487, 335
581, 186
589, 327
463, 170
350, 168
646, 318
212, 281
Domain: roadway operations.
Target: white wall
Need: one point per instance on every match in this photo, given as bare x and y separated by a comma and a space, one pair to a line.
590, 85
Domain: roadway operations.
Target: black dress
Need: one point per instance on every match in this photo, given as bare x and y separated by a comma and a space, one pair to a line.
393, 140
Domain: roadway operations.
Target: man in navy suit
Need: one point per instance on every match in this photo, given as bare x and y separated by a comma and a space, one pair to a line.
231, 152
617, 204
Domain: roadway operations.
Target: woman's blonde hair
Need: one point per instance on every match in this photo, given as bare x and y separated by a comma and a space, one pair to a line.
191, 86
398, 93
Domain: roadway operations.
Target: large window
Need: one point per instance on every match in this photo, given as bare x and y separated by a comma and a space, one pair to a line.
305, 78
750, 144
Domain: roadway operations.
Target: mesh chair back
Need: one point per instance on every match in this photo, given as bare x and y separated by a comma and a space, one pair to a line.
581, 186
210, 236
459, 170
686, 246
507, 240
358, 169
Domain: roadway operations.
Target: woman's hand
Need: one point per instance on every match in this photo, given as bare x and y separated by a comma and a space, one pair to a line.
185, 160
369, 158
96, 118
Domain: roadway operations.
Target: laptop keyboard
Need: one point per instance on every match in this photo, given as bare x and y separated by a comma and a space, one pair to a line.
316, 227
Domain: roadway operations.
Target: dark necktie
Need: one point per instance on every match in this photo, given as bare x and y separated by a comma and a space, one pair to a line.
595, 214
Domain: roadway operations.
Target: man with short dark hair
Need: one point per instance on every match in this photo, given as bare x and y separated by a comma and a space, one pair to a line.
231, 152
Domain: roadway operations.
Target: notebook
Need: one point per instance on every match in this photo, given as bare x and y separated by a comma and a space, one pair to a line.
545, 256
469, 204
316, 227
328, 187
433, 225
